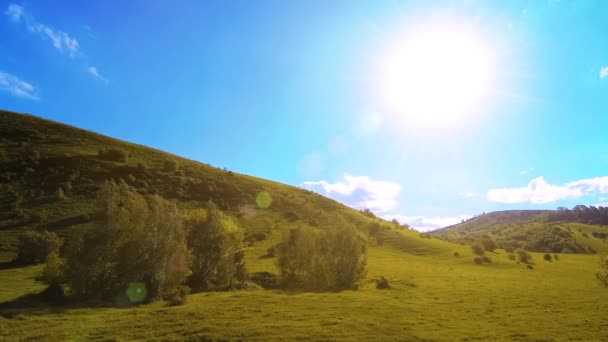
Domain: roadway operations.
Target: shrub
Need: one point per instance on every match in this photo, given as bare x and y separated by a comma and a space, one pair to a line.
478, 249
59, 194
486, 260
555, 256
382, 284
177, 295
52, 275
547, 256
478, 260
35, 246
322, 260
523, 256
488, 244
602, 274
530, 267
456, 254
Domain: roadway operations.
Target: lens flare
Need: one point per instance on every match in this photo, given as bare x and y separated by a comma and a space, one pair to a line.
137, 292
263, 200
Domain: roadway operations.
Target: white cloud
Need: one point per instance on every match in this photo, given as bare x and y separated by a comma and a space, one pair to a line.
360, 192
59, 39
95, 73
422, 223
539, 191
604, 72
523, 172
17, 87
15, 12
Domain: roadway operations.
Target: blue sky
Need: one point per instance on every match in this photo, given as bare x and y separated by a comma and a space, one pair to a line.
362, 101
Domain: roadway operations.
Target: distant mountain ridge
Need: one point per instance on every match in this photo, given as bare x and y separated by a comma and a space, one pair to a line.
580, 230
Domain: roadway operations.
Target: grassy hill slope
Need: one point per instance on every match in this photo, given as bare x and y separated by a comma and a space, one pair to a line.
528, 229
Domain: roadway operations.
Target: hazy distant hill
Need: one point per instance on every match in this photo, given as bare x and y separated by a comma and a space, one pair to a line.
534, 230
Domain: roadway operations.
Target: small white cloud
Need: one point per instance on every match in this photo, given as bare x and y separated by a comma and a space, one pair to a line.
59, 39
14, 12
360, 192
604, 72
422, 223
95, 73
539, 191
12, 84
523, 172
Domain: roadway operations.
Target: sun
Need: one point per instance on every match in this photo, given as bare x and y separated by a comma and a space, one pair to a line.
435, 76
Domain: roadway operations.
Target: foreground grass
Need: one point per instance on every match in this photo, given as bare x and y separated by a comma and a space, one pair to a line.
434, 297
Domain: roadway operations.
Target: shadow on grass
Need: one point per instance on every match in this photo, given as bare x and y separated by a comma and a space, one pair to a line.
7, 265
52, 301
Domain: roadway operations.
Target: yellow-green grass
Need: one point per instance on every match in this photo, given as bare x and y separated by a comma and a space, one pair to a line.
434, 297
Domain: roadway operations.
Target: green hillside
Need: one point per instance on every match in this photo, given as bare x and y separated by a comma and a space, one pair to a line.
437, 292
39, 157
533, 230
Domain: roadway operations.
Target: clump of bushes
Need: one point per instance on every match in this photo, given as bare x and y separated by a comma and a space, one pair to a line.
113, 154
488, 244
456, 254
322, 259
139, 243
35, 246
523, 256
478, 249
547, 257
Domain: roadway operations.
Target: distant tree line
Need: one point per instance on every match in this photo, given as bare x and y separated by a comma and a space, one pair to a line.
580, 213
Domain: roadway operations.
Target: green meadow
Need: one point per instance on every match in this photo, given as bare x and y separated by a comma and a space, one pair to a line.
433, 297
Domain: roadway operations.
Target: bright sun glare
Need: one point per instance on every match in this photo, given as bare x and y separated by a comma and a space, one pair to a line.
436, 76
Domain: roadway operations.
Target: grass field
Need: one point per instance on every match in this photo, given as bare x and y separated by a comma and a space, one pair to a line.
433, 297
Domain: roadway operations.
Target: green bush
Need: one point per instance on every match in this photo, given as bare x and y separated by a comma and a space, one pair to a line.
322, 259
478, 249
547, 257
488, 244
456, 254
478, 260
523, 256
35, 246
177, 295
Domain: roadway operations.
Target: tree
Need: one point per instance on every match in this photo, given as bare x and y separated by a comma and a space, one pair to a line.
140, 243
216, 244
314, 259
488, 244
35, 246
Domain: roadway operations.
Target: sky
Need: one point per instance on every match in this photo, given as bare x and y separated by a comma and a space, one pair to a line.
423, 111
